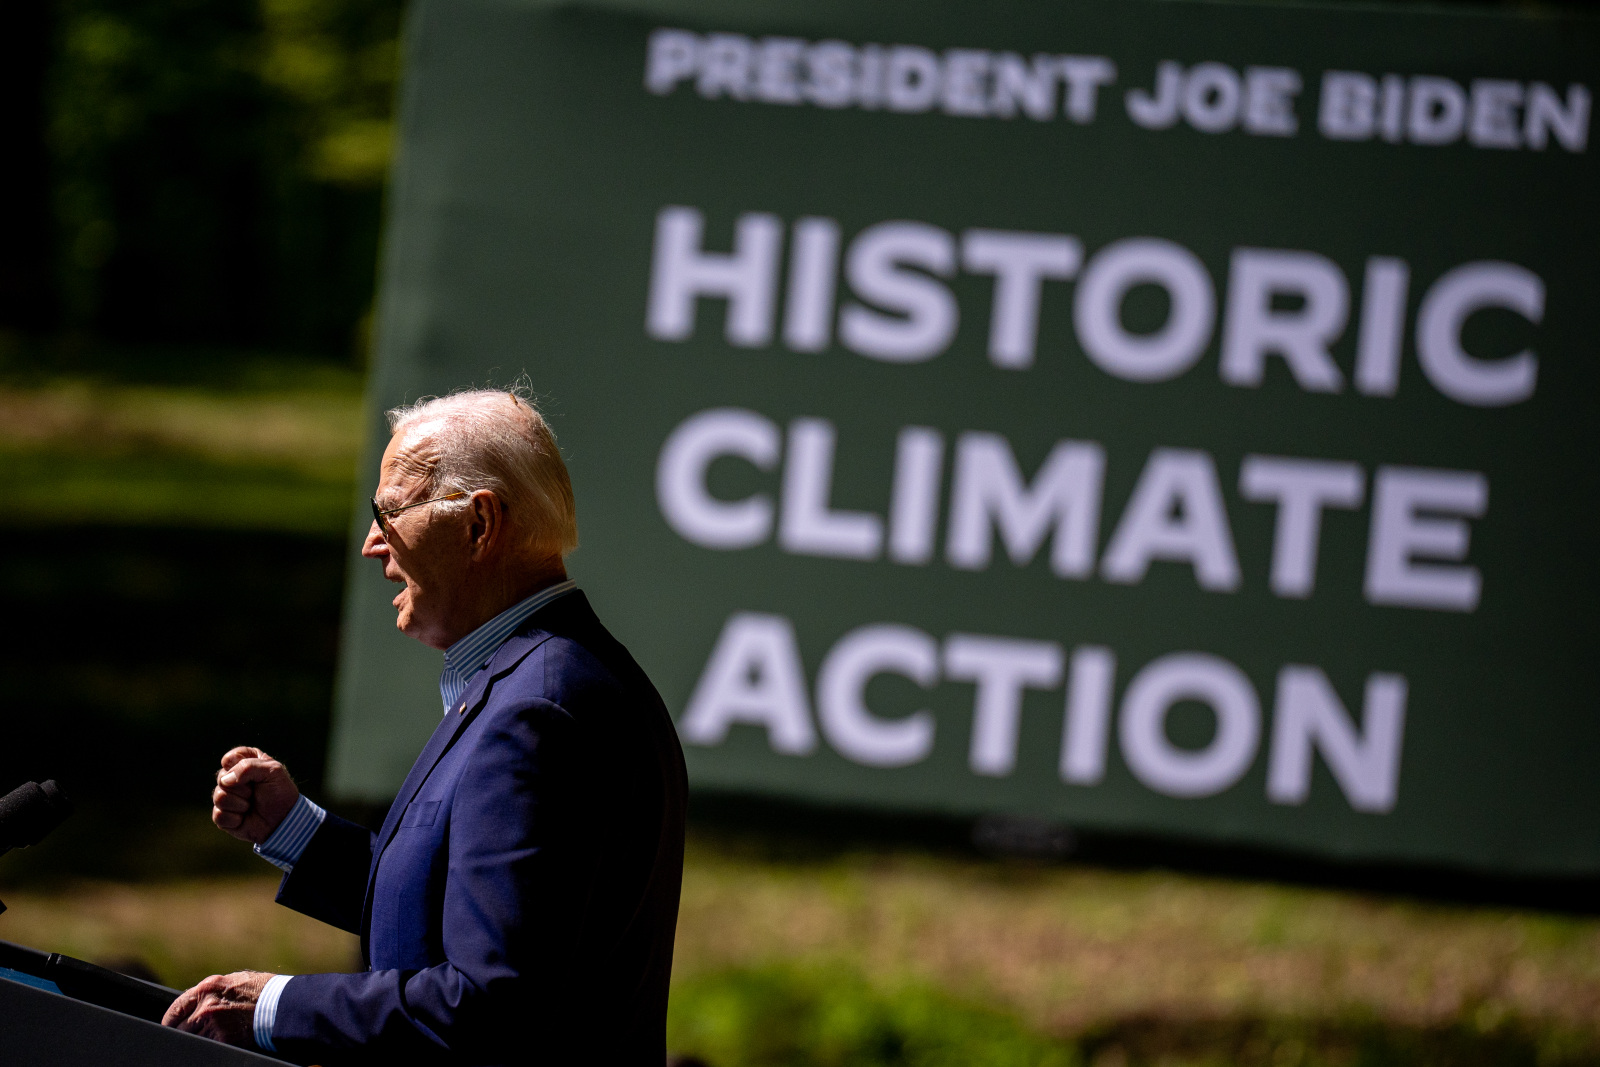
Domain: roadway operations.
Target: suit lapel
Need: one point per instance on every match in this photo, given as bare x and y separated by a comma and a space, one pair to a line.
440, 740
456, 720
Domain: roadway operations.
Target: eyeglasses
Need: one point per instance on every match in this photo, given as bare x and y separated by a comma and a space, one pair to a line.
379, 513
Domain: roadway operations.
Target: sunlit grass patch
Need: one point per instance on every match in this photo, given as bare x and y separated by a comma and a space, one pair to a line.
1072, 949
183, 931
265, 453
830, 1016
304, 428
61, 488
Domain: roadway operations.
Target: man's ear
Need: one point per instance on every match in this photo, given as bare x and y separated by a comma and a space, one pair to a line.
487, 529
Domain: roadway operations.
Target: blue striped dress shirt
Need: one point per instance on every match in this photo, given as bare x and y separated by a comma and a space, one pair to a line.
467, 656
462, 660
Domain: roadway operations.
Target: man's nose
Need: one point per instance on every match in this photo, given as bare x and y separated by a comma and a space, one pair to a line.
374, 547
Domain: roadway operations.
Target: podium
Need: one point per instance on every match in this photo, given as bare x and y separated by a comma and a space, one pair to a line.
39, 1026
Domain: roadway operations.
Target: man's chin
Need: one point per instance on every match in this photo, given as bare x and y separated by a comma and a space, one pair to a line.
403, 617
406, 622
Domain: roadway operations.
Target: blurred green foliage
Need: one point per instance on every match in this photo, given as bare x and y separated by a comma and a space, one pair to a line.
830, 1016
217, 167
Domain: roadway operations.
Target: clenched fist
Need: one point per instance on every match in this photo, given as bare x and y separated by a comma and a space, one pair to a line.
254, 792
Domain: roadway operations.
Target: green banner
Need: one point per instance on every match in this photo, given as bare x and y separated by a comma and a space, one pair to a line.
1171, 418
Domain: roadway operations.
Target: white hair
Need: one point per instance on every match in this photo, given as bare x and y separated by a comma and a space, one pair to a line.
484, 442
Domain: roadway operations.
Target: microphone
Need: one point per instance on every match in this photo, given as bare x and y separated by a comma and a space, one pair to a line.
29, 812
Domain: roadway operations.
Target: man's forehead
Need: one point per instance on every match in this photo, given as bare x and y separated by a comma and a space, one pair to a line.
415, 447
407, 460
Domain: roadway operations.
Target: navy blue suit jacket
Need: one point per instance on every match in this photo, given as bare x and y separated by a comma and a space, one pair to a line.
519, 903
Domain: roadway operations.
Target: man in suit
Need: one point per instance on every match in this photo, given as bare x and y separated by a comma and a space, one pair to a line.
519, 903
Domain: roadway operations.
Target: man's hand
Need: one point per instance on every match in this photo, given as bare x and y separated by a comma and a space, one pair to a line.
223, 1007
254, 792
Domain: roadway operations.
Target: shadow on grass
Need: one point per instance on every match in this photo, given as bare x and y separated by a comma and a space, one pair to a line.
34, 361
135, 658
785, 830
130, 843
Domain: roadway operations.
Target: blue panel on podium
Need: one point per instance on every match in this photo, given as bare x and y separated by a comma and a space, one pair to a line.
29, 980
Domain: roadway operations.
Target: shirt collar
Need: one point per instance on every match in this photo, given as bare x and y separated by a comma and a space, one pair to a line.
468, 655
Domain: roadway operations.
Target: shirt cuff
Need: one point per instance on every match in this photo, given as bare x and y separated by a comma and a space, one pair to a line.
289, 840
267, 1011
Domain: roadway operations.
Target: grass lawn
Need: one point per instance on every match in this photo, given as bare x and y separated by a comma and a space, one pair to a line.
262, 444
1070, 949
917, 958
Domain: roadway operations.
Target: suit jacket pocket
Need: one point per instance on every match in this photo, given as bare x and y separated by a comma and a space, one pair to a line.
421, 814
